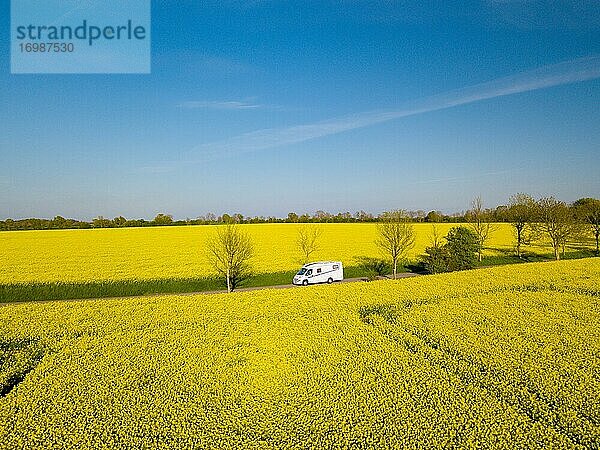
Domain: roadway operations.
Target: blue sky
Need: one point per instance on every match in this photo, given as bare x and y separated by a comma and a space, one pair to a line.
265, 107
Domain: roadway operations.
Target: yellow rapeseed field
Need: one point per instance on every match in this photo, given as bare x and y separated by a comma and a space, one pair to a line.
506, 357
179, 252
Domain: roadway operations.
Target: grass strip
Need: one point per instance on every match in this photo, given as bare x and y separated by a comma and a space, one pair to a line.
23, 292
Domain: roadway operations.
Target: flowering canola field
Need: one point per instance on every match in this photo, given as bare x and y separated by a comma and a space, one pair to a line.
179, 252
507, 357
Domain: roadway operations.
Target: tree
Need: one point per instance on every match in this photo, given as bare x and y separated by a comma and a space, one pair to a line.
434, 217
462, 245
307, 240
119, 221
322, 216
435, 238
479, 222
501, 213
436, 255
163, 219
229, 252
520, 213
59, 222
436, 259
588, 209
363, 216
225, 218
396, 236
416, 216
557, 221
459, 252
101, 222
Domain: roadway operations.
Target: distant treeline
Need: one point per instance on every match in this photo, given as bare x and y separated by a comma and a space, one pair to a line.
498, 214
211, 219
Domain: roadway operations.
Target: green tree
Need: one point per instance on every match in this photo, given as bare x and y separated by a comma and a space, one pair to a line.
458, 253
226, 218
520, 213
434, 217
119, 221
101, 222
557, 221
500, 213
59, 222
163, 219
437, 259
463, 246
588, 210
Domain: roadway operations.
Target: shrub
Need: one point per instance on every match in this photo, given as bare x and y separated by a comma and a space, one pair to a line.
459, 252
374, 267
436, 259
462, 248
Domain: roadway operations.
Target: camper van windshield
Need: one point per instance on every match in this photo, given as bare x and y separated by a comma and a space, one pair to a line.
302, 271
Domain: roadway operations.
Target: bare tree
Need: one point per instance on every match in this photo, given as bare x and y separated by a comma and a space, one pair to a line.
435, 239
396, 236
520, 213
556, 220
229, 252
479, 221
307, 241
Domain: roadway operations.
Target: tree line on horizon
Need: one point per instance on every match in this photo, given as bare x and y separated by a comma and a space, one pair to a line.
521, 210
59, 222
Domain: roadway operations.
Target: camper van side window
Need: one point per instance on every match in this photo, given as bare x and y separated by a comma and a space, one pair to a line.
336, 266
318, 270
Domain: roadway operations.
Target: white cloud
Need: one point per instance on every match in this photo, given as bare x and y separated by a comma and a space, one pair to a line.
224, 105
547, 76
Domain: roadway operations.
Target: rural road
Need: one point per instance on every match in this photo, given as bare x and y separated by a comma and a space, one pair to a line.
256, 288
286, 286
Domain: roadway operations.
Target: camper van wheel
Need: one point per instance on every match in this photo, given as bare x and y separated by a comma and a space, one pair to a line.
305, 283
330, 281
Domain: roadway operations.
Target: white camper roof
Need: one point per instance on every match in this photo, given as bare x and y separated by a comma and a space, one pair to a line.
318, 263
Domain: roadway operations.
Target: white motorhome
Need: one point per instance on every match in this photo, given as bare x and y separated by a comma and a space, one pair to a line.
319, 272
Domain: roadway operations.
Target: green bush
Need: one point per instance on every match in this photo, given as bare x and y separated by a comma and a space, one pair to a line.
436, 260
459, 252
374, 267
462, 248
